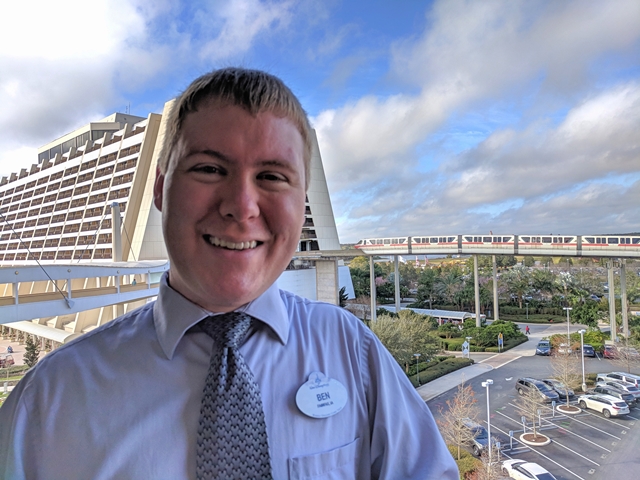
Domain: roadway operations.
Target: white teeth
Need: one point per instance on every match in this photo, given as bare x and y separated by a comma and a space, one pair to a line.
232, 246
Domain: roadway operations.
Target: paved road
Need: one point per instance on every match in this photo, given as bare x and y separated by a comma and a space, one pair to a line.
586, 446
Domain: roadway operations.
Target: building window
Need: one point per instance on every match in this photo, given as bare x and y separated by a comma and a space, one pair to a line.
88, 165
71, 171
51, 242
72, 228
64, 255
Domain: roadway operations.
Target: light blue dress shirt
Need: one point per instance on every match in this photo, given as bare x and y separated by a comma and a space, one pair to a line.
123, 401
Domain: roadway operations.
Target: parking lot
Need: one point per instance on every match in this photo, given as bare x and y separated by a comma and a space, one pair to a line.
584, 446
580, 446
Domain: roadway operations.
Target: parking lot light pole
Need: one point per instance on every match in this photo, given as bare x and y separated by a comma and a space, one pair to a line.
568, 309
489, 446
417, 355
582, 332
527, 305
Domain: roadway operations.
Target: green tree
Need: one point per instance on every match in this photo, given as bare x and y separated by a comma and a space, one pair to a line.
517, 282
405, 335
449, 284
32, 352
426, 286
543, 281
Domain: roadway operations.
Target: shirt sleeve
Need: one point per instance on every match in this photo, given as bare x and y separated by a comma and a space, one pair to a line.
13, 432
405, 440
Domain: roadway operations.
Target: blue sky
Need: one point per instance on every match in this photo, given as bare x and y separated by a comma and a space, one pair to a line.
433, 118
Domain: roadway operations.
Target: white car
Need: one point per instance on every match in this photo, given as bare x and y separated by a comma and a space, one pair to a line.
608, 405
522, 470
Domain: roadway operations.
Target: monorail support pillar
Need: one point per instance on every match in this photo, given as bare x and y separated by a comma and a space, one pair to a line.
612, 301
476, 287
623, 298
396, 278
372, 282
496, 315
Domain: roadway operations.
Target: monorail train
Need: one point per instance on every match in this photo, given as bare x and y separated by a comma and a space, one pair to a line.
623, 246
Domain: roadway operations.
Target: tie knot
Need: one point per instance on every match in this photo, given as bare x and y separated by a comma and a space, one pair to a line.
227, 330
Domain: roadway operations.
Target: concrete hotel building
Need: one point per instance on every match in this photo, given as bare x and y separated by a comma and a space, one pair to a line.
59, 212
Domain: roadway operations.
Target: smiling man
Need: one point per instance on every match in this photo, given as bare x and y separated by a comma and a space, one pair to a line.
225, 375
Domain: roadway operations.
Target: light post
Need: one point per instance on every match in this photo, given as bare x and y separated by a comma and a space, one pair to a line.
568, 309
417, 355
489, 446
582, 332
527, 305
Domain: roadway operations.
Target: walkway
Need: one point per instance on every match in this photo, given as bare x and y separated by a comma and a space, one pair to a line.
485, 362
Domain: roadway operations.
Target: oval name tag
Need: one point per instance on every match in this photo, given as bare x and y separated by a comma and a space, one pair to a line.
320, 396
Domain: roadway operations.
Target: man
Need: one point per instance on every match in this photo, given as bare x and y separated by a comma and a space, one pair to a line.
126, 400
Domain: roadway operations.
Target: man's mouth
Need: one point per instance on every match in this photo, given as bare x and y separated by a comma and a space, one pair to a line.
218, 242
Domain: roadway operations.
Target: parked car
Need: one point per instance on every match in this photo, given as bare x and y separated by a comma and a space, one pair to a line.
588, 350
526, 384
628, 352
619, 377
624, 386
543, 348
626, 397
564, 349
605, 404
609, 351
480, 437
523, 470
560, 388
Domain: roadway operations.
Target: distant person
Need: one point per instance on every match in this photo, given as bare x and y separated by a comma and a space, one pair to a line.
225, 375
9, 349
526, 330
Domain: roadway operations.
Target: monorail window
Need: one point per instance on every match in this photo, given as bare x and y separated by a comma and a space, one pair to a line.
452, 239
636, 241
359, 243
386, 241
546, 239
468, 239
568, 239
417, 240
526, 239
486, 239
625, 241
589, 239
613, 240
433, 240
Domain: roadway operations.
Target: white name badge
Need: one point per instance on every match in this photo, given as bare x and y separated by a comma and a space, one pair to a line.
320, 396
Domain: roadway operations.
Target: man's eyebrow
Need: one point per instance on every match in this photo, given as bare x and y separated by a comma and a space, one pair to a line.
208, 152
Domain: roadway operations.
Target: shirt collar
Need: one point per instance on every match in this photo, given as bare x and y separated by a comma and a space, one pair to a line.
173, 314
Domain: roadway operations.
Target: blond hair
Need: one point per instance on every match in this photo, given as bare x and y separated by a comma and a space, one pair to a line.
253, 90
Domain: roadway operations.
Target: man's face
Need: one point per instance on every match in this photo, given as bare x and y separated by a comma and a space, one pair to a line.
232, 202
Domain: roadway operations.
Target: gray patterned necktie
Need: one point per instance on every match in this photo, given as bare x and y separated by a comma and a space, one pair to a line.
232, 434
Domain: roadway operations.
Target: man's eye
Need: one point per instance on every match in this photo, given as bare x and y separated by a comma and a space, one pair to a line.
206, 169
272, 177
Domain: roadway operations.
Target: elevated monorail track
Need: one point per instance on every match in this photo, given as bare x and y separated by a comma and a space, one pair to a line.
612, 246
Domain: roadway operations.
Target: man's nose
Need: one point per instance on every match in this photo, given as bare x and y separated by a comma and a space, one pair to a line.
240, 199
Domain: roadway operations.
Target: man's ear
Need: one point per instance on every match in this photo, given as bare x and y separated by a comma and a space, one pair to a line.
158, 188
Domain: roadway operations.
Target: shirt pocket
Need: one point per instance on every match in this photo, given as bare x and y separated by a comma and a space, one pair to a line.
338, 464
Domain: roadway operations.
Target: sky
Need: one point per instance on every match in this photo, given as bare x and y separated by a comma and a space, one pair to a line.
433, 118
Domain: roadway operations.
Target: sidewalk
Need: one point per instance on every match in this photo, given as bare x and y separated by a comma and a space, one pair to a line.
492, 361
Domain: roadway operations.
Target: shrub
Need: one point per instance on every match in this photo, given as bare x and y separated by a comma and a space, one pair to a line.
467, 463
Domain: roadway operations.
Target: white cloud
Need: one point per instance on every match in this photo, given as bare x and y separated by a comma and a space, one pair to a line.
242, 21
534, 59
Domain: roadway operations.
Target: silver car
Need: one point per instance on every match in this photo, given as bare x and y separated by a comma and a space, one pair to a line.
624, 386
606, 404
